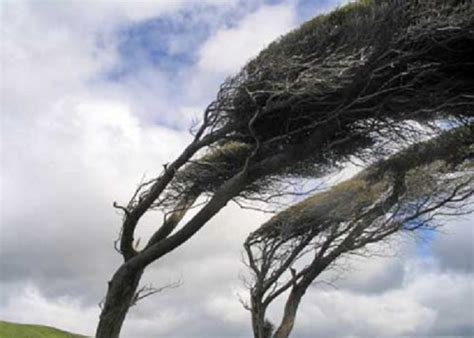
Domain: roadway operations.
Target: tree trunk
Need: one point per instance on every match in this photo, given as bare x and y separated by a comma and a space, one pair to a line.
258, 318
120, 296
291, 307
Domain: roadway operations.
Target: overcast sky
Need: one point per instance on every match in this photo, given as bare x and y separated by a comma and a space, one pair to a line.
96, 94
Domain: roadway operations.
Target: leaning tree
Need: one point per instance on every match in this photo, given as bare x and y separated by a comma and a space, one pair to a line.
403, 193
345, 84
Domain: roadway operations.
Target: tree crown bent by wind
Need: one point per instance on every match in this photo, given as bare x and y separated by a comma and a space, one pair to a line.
413, 190
341, 84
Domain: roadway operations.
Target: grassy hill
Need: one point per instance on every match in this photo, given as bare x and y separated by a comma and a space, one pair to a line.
12, 330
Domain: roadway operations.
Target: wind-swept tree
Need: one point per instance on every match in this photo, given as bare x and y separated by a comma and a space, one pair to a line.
341, 85
403, 193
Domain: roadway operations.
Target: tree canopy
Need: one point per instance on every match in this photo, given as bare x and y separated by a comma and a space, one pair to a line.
403, 193
341, 85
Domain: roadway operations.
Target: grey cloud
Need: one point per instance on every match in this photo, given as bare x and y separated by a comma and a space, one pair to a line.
367, 275
454, 247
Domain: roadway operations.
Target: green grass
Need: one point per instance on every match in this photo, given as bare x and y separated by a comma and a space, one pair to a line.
12, 330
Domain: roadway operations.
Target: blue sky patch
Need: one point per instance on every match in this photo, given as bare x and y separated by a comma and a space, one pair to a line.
307, 9
165, 42
424, 241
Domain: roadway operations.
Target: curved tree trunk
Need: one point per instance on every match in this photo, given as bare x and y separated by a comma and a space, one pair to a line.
120, 296
291, 308
296, 294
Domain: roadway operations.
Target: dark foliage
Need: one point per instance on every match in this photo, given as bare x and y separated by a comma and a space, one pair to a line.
341, 83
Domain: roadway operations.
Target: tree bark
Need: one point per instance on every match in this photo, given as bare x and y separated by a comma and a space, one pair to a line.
120, 296
258, 318
289, 316
297, 292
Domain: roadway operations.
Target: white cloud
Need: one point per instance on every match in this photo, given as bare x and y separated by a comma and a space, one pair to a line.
230, 48
430, 303
347, 314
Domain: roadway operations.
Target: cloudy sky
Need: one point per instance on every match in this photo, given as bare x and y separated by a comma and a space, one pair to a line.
96, 94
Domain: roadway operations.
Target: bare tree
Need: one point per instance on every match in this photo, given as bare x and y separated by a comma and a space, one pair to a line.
404, 193
342, 85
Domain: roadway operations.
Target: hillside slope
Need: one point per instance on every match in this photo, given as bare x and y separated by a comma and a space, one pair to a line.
13, 330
